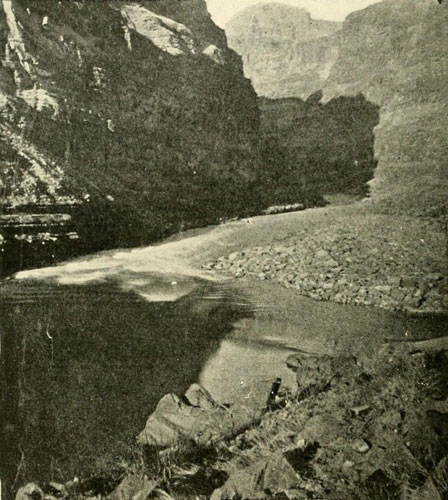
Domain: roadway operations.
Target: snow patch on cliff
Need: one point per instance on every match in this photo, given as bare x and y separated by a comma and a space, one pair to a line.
166, 34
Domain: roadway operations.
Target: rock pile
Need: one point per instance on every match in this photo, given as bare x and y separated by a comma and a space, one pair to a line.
348, 267
357, 436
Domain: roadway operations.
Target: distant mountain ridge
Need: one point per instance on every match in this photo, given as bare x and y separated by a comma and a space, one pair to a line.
285, 52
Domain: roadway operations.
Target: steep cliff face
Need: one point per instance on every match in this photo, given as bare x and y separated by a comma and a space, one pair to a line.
328, 147
285, 52
395, 53
134, 115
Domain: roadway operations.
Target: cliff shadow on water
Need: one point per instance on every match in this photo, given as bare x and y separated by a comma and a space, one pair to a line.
84, 366
326, 148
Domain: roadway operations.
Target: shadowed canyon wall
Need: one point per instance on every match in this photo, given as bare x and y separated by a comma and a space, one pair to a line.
329, 146
125, 118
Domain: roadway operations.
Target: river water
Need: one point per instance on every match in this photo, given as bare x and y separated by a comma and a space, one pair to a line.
86, 354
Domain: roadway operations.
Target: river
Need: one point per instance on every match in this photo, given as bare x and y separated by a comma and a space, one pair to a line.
89, 348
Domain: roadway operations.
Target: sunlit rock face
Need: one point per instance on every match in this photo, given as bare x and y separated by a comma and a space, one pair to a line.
286, 53
166, 34
135, 113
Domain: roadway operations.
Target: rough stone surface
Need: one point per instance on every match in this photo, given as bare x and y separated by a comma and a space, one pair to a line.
133, 488
275, 475
30, 490
350, 265
193, 418
285, 51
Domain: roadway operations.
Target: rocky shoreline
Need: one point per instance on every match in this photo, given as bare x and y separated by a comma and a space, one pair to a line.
353, 429
349, 264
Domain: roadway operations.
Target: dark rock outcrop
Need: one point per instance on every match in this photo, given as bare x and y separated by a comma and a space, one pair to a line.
133, 115
325, 147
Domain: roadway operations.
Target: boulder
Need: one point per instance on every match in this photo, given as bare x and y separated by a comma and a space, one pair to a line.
194, 418
436, 486
321, 256
360, 446
215, 54
316, 373
200, 397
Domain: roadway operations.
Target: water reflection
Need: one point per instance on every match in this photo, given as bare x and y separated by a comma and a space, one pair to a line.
84, 366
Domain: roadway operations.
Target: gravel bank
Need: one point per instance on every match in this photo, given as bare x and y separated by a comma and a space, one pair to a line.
398, 267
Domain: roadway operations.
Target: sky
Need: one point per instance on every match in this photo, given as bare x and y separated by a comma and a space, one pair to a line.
331, 10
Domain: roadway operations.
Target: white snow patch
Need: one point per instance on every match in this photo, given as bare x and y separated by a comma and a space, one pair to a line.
168, 35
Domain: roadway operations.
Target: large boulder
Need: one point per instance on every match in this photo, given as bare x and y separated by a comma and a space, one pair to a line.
194, 418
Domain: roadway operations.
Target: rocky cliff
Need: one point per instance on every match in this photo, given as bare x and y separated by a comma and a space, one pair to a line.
329, 147
286, 53
127, 117
405, 73
394, 53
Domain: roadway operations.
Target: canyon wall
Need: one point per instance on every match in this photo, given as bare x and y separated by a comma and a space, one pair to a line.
285, 52
393, 55
128, 118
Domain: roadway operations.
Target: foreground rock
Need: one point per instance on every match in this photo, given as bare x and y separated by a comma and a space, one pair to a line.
362, 436
353, 433
195, 418
279, 474
134, 488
